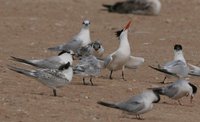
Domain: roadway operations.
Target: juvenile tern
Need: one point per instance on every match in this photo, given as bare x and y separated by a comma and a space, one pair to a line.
94, 48
53, 78
53, 62
88, 66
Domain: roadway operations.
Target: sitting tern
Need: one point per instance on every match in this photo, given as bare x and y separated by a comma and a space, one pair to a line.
53, 78
145, 7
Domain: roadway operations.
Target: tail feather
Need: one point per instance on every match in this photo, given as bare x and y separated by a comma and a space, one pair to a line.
111, 105
57, 48
107, 6
163, 71
22, 60
158, 90
22, 71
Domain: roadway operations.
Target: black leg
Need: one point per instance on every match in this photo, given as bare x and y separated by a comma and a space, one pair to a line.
84, 81
91, 81
123, 76
54, 92
111, 74
164, 80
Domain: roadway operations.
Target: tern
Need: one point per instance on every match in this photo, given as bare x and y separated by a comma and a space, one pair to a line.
145, 7
136, 105
178, 89
178, 67
80, 40
53, 78
88, 66
94, 48
53, 62
122, 58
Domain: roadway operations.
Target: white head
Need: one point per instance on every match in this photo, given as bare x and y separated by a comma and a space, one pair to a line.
178, 53
86, 23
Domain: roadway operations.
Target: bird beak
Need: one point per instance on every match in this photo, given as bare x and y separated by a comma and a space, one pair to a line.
128, 25
191, 98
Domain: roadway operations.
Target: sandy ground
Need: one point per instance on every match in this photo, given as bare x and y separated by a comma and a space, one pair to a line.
29, 27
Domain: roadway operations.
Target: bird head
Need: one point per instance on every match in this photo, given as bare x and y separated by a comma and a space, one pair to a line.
86, 23
124, 30
194, 91
64, 66
177, 47
96, 45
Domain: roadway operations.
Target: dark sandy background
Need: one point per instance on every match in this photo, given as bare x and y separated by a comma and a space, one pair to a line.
29, 27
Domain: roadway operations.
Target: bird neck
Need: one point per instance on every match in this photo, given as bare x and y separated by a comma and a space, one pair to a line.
124, 44
85, 34
179, 56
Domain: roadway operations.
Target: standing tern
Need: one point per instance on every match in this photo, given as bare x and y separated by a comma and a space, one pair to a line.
119, 58
178, 89
53, 78
88, 66
80, 40
136, 105
53, 62
122, 58
148, 7
95, 48
178, 67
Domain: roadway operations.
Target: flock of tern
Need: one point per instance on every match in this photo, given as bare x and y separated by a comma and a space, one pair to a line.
57, 71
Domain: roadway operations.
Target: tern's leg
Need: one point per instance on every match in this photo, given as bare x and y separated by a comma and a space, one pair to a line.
164, 80
54, 92
139, 117
84, 81
111, 74
179, 101
91, 81
123, 74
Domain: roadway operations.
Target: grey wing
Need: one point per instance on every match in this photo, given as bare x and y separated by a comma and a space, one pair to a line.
108, 60
84, 51
171, 90
194, 70
134, 62
52, 63
178, 67
131, 106
72, 45
139, 4
51, 77
88, 65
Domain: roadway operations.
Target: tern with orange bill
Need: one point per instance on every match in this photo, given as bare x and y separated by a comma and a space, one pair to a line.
122, 58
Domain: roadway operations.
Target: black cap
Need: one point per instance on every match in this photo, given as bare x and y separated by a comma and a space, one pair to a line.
194, 88
177, 47
118, 33
64, 66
